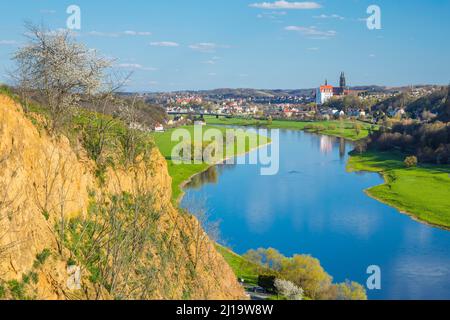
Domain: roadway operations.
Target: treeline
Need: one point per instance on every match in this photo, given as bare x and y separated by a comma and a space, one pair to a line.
301, 275
429, 142
428, 107
347, 102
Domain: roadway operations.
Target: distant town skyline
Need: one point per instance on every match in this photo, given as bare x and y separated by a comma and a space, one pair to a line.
200, 45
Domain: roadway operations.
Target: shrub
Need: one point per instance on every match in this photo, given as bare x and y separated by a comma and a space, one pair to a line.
361, 146
41, 258
267, 282
17, 290
351, 291
411, 162
288, 290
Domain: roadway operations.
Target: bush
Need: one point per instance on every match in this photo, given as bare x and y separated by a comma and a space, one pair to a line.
351, 291
411, 162
288, 290
361, 146
41, 258
267, 282
17, 290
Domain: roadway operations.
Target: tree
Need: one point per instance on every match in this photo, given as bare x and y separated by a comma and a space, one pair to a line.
288, 290
350, 291
445, 117
411, 162
307, 273
59, 70
269, 258
358, 128
267, 282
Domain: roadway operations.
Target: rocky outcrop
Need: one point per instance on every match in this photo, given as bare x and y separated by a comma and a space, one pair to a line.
43, 181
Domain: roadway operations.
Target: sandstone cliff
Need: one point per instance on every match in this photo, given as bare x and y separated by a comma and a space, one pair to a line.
45, 184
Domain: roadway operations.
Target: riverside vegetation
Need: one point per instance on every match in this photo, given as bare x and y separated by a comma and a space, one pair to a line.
350, 130
181, 173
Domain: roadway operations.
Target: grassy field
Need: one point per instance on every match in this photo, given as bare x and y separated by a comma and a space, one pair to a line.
422, 192
181, 173
243, 269
337, 128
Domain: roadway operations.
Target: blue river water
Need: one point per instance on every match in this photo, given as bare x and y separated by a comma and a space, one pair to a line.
314, 206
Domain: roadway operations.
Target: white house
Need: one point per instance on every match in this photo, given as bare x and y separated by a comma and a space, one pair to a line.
159, 128
200, 123
323, 94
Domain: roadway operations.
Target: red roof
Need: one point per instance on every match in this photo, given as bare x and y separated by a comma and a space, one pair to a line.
326, 87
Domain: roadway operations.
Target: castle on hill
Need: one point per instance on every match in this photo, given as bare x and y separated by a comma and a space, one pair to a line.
326, 92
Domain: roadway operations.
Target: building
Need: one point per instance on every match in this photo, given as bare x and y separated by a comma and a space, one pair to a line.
324, 93
159, 128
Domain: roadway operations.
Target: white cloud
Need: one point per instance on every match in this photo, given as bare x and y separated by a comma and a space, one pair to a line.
47, 11
312, 32
135, 66
165, 44
103, 34
333, 16
272, 15
206, 47
118, 34
209, 62
8, 42
286, 5
137, 33
212, 74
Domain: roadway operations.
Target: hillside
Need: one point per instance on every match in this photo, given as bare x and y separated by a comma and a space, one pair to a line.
59, 215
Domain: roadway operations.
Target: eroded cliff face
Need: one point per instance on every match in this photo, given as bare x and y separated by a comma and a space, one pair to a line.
43, 183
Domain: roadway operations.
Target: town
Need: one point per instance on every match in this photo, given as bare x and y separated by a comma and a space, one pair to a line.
371, 104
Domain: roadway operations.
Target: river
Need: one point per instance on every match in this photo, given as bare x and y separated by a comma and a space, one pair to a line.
314, 206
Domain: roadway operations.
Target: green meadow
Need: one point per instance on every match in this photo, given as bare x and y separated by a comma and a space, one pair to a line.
242, 268
181, 173
422, 192
351, 130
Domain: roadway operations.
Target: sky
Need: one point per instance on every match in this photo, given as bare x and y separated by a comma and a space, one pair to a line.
205, 44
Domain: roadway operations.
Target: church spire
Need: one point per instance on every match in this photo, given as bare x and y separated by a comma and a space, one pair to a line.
343, 81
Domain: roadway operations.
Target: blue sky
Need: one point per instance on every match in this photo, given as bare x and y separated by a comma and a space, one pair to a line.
204, 44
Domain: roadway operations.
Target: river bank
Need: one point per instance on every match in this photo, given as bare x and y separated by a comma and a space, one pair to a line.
423, 193
347, 129
182, 174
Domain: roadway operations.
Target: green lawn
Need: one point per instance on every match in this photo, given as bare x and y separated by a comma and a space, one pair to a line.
243, 269
181, 173
422, 192
337, 128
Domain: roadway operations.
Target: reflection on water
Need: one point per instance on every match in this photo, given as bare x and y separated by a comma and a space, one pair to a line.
314, 206
210, 176
326, 144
